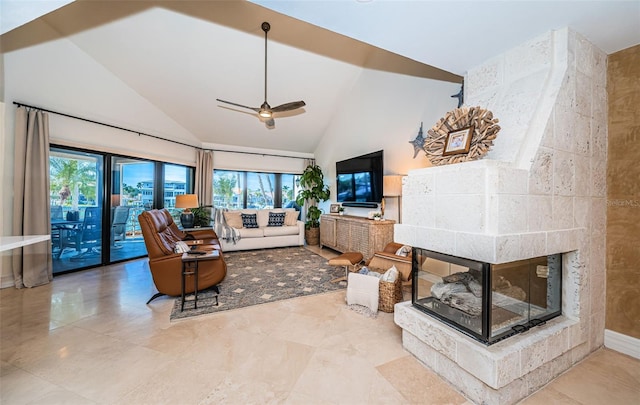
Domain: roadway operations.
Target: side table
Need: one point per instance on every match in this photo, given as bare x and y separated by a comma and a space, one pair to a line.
190, 267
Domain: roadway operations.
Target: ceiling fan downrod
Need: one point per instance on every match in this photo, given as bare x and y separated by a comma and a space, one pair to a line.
265, 108
265, 111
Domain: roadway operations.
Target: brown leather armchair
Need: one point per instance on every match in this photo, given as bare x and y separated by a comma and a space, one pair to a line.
160, 236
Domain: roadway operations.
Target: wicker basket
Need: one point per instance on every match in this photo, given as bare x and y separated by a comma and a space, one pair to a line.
390, 295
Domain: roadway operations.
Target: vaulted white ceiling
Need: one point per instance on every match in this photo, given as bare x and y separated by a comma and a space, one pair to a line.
180, 56
456, 35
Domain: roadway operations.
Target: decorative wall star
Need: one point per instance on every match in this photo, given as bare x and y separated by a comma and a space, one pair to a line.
460, 95
418, 142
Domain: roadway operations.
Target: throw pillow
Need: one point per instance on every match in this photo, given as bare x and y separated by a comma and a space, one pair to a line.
404, 251
276, 219
390, 275
249, 220
292, 218
232, 218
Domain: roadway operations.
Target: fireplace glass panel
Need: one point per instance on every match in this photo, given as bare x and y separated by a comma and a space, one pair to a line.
456, 291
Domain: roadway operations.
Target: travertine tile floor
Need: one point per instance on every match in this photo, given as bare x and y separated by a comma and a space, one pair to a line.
89, 338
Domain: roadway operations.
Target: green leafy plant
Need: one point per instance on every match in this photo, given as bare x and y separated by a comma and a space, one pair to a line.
314, 191
202, 215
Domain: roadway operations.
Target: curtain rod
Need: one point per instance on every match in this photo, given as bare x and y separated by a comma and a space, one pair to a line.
103, 124
152, 136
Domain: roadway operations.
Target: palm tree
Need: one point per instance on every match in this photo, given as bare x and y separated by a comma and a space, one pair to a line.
224, 186
66, 173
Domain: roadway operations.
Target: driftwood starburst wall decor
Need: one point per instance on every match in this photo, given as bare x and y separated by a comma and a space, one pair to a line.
462, 135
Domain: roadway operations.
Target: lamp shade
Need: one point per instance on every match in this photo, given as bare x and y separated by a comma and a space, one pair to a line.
392, 185
187, 201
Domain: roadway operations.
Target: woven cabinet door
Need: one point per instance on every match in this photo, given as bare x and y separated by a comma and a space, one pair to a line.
343, 236
327, 231
359, 239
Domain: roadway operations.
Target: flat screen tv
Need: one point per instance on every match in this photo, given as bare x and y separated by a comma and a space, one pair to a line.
359, 180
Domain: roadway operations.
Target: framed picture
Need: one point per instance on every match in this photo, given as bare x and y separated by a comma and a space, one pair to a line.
458, 142
334, 209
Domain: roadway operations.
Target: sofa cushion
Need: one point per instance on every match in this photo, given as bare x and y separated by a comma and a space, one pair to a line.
233, 219
276, 219
249, 220
292, 217
280, 230
246, 233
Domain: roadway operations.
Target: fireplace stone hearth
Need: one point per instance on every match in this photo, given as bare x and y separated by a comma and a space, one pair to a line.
540, 191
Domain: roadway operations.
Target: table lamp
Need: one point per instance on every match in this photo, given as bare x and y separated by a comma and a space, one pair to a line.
392, 187
187, 201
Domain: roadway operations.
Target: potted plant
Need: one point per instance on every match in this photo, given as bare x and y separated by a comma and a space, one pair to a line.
341, 210
202, 216
313, 191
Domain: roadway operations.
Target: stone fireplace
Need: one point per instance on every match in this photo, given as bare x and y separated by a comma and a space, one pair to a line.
539, 192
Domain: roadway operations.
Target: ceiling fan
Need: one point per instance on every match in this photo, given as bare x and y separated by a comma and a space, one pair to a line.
265, 110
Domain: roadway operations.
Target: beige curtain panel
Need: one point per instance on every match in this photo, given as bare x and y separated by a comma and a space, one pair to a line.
31, 264
204, 178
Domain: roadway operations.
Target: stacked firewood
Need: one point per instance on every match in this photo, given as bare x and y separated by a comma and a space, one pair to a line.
485, 131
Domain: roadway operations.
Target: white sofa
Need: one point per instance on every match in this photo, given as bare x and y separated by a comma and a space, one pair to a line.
265, 236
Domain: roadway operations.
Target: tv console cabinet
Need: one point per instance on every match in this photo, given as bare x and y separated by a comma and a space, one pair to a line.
347, 233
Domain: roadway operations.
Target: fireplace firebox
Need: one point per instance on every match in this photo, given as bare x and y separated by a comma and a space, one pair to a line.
488, 302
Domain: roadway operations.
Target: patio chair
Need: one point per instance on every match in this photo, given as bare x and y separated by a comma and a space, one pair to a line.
89, 236
119, 225
56, 232
56, 212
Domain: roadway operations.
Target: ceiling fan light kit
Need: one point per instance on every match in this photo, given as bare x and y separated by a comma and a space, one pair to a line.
265, 110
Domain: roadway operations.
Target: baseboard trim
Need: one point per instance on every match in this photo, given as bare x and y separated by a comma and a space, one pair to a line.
622, 343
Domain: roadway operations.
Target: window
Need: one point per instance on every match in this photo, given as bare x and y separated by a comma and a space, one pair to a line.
177, 180
260, 190
289, 189
237, 190
228, 189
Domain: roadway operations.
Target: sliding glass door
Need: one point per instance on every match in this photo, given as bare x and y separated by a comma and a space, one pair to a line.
132, 191
95, 201
76, 196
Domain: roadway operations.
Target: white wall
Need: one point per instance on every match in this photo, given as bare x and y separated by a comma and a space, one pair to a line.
383, 111
76, 84
258, 160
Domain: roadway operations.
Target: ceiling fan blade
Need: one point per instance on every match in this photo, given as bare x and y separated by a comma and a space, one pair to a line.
239, 105
294, 105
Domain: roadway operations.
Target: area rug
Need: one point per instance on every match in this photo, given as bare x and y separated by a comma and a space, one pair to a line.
266, 275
